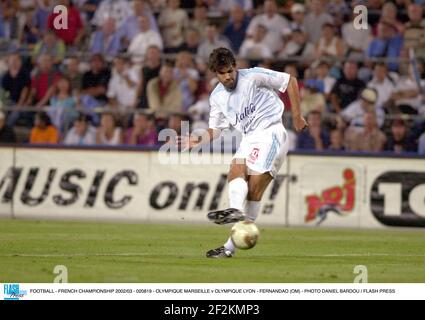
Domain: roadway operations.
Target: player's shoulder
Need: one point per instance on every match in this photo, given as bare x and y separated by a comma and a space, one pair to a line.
217, 94
219, 88
252, 72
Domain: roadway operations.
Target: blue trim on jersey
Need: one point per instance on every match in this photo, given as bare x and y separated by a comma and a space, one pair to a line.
272, 152
271, 73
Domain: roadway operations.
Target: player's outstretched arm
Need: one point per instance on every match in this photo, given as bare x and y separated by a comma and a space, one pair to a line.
294, 96
189, 142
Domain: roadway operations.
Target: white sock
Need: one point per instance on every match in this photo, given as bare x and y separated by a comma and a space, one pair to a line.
230, 246
238, 190
252, 208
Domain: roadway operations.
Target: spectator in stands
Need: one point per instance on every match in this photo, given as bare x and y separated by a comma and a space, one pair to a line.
329, 44
356, 40
339, 10
43, 82
421, 145
369, 139
347, 88
16, 81
387, 44
29, 35
255, 48
414, 35
131, 26
315, 19
82, 133
355, 111
191, 42
108, 133
72, 71
143, 131
106, 40
227, 5
95, 81
200, 111
186, 74
119, 10
62, 105
200, 19
164, 93
374, 12
389, 16
312, 97
73, 34
297, 47
175, 120
212, 41
242, 63
41, 15
143, 40
173, 23
382, 83
50, 45
298, 16
406, 98
214, 11
336, 140
122, 87
236, 27
322, 75
88, 9
7, 135
149, 71
399, 141
315, 138
10, 21
276, 25
43, 131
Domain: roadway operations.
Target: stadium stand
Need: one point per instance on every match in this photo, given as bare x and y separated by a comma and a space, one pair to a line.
147, 59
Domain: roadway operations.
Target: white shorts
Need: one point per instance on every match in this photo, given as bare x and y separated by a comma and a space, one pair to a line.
265, 150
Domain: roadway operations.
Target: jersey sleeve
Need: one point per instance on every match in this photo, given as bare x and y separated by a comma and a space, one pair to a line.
271, 79
217, 119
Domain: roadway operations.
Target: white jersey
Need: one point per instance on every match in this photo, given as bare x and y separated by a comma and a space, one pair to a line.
253, 105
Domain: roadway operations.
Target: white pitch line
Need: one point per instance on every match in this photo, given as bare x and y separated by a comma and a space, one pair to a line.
135, 254
76, 255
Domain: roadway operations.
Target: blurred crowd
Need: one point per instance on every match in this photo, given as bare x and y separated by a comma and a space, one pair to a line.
124, 70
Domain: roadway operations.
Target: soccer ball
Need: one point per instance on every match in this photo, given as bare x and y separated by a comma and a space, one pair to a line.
244, 235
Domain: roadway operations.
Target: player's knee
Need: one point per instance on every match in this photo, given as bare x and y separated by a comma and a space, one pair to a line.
254, 194
237, 171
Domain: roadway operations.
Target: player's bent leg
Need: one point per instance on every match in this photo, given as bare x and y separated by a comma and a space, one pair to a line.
238, 169
238, 190
257, 184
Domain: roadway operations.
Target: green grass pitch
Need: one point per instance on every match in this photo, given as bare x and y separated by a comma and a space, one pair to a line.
151, 253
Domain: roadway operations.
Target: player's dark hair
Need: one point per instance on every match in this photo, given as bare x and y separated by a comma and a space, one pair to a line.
221, 58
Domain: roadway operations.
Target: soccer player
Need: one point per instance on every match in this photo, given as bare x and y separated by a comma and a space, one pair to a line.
247, 100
